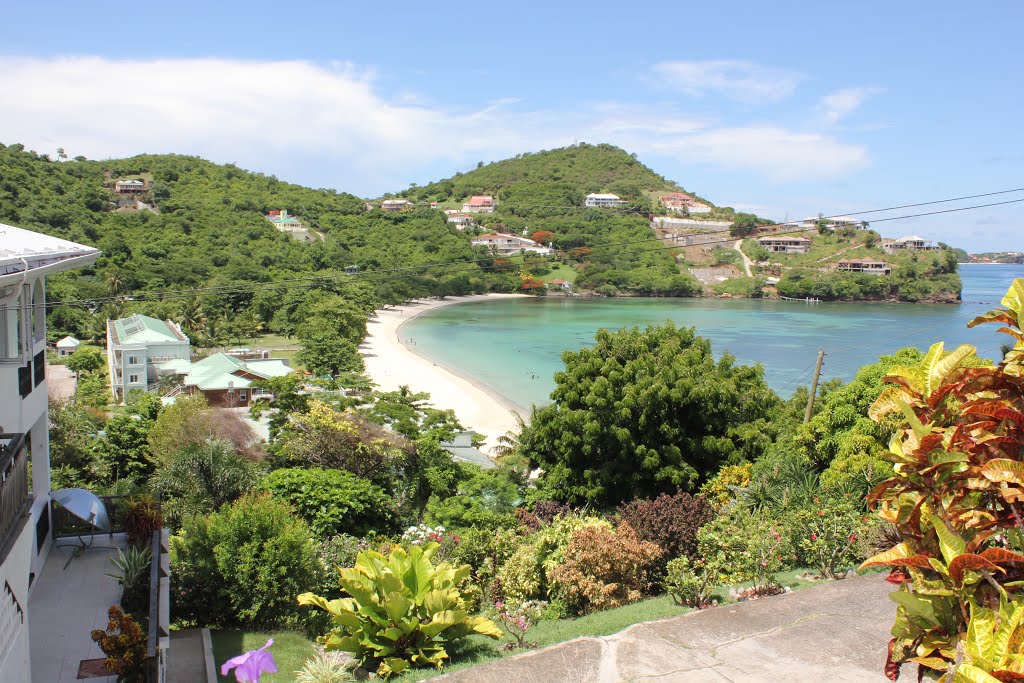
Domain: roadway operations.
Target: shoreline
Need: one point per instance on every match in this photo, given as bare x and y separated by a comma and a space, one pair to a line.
390, 363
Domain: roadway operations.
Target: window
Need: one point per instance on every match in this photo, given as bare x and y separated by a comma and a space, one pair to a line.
133, 379
243, 395
133, 360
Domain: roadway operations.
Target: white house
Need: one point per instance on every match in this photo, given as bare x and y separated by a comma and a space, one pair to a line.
461, 220
136, 346
501, 243
130, 186
786, 245
395, 205
598, 199
868, 266
26, 258
908, 243
482, 203
67, 346
563, 285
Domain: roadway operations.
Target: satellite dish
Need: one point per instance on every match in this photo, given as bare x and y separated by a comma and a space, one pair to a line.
86, 506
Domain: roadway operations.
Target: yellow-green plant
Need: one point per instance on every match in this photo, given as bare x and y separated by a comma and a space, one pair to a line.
955, 499
403, 610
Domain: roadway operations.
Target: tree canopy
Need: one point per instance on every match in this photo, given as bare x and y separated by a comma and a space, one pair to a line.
645, 412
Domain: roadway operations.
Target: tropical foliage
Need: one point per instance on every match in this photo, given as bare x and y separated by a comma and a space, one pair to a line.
954, 500
403, 611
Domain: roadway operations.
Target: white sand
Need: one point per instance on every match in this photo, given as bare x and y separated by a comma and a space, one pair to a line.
391, 364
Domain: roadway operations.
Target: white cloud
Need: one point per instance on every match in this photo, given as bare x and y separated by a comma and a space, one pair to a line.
329, 126
734, 78
840, 103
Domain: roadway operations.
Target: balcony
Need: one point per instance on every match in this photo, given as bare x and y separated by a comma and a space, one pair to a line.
15, 498
73, 593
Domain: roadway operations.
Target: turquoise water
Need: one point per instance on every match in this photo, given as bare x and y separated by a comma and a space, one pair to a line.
514, 346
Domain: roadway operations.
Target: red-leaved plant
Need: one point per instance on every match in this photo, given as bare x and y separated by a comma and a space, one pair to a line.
956, 501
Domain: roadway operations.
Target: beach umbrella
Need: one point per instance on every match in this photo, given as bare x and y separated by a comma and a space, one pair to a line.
85, 505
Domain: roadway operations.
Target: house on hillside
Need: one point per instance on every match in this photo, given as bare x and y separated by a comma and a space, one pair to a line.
130, 186
136, 346
483, 203
908, 243
226, 380
286, 223
680, 201
603, 200
785, 244
500, 243
864, 265
395, 205
461, 220
67, 346
462, 449
563, 285
26, 520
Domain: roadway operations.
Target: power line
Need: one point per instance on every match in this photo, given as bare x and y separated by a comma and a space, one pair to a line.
368, 276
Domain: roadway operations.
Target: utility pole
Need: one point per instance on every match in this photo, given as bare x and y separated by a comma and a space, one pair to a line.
814, 386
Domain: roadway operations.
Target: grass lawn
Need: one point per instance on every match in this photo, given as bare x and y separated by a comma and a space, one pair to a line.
290, 650
287, 355
561, 271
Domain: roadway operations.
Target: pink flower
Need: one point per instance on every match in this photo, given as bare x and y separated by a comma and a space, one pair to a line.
251, 665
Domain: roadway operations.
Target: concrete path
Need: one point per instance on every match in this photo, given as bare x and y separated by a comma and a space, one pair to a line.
836, 632
60, 381
187, 659
738, 246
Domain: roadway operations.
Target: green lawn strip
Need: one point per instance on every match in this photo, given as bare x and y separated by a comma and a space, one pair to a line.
290, 649
561, 271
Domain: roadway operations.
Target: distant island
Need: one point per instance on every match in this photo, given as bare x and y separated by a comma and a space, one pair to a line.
995, 257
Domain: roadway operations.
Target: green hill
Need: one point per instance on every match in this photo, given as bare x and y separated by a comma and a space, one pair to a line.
545, 182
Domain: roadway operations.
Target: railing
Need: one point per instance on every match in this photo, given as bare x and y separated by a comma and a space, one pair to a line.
15, 498
66, 524
158, 637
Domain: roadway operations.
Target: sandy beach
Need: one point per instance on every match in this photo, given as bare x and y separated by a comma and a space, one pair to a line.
391, 364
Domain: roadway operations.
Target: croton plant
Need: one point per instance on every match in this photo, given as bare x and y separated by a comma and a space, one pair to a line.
957, 500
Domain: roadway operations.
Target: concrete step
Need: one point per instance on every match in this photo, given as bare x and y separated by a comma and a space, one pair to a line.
190, 657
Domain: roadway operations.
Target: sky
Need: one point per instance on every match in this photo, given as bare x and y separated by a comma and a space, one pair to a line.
786, 110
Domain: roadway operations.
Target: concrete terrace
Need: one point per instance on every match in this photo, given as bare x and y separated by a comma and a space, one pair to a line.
68, 601
836, 632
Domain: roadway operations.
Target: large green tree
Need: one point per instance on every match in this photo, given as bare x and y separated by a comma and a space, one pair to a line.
645, 412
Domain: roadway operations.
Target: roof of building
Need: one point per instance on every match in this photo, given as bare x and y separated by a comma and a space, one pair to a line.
396, 201
783, 238
38, 251
68, 342
480, 200
217, 371
462, 449
558, 282
142, 329
863, 261
911, 238
599, 195
129, 182
179, 366
676, 195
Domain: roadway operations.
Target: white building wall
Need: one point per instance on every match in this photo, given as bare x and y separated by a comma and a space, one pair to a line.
15, 660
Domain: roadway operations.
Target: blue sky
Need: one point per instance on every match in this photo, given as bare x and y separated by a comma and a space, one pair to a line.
784, 111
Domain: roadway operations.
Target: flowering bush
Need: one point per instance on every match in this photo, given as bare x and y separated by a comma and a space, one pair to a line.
418, 535
691, 582
124, 644
827, 535
604, 568
720, 489
753, 547
671, 521
518, 620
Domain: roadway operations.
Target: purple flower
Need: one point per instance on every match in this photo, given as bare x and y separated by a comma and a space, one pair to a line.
251, 665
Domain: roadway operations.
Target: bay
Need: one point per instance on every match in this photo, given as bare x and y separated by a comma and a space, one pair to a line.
513, 346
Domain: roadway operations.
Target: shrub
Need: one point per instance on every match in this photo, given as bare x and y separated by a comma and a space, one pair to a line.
719, 491
548, 511
134, 568
403, 611
526, 574
826, 535
486, 499
333, 501
485, 551
241, 565
324, 667
518, 620
753, 546
124, 644
604, 568
671, 521
691, 582
142, 518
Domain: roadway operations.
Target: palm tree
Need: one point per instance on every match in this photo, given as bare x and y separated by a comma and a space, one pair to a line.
199, 479
192, 317
508, 443
114, 281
